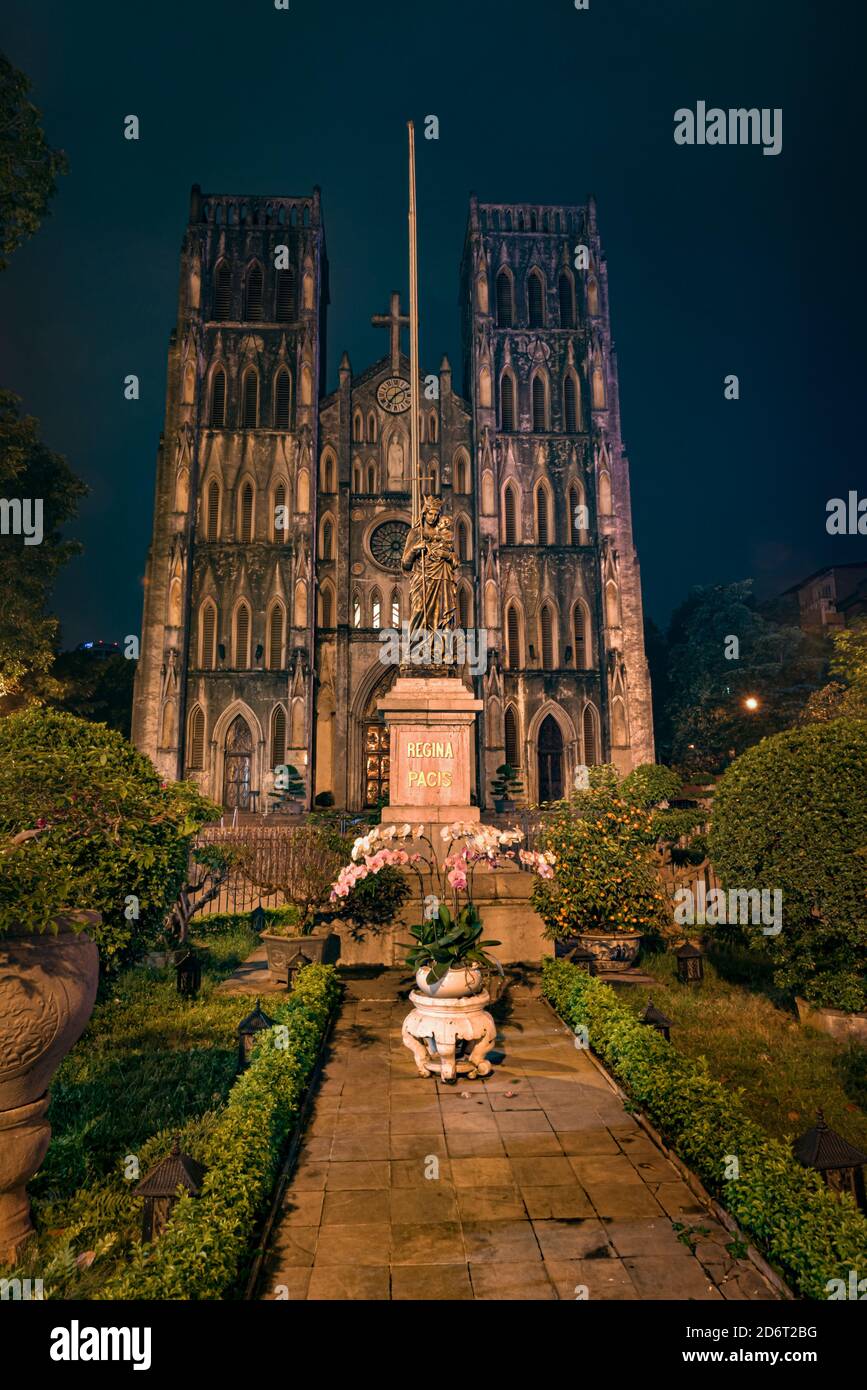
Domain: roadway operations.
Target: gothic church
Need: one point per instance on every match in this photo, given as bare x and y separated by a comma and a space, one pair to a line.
281, 511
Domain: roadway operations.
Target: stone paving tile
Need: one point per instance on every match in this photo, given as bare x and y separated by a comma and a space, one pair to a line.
550, 1192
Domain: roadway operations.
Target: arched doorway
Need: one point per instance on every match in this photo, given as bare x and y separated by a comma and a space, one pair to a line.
238, 765
550, 753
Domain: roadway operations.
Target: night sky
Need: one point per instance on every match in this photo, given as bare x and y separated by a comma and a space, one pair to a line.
720, 259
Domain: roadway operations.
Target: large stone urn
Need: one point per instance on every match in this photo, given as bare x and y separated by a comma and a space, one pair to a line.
614, 951
47, 992
449, 1031
286, 953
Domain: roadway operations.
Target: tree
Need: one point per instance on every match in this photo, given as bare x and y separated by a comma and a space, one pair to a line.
96, 689
212, 866
31, 473
28, 164
846, 694
721, 651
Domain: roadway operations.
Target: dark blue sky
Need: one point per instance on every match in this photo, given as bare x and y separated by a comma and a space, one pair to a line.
720, 259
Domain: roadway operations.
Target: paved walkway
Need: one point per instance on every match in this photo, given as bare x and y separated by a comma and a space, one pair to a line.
534, 1184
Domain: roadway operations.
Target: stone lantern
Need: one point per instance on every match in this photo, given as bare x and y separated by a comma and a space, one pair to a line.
839, 1162
160, 1189
655, 1018
254, 1023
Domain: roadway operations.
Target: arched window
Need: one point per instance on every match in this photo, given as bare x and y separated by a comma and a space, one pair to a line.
505, 303
275, 637
566, 296
371, 477
326, 606
371, 427
175, 608
282, 399
253, 292
591, 755
375, 609
462, 474
196, 738
356, 611
250, 400
208, 635
546, 631
327, 551
570, 405
592, 298
278, 514
507, 404
605, 506
512, 749
357, 427
326, 472
245, 514
242, 637
577, 515
510, 516
462, 541
223, 291
357, 476
395, 608
278, 737
619, 736
598, 387
432, 427
612, 604
581, 636
212, 518
513, 638
464, 608
543, 519
285, 301
540, 411
535, 300
218, 399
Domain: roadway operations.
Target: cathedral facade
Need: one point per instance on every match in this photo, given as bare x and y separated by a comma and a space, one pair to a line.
274, 574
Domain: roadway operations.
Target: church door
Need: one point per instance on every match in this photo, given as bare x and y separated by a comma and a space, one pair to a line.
550, 747
376, 745
238, 765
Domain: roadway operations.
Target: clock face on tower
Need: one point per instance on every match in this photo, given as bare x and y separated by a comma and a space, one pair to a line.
393, 394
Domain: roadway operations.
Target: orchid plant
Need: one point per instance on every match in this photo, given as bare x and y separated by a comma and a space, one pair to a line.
449, 935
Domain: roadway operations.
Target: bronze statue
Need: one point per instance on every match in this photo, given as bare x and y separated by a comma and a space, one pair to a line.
429, 555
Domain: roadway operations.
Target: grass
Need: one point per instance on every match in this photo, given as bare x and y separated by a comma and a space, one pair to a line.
150, 1064
753, 1043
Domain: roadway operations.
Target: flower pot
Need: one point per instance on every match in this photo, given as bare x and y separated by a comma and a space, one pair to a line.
455, 984
836, 1023
499, 805
47, 992
613, 951
321, 947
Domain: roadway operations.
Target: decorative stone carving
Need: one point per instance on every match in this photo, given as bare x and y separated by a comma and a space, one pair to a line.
450, 1036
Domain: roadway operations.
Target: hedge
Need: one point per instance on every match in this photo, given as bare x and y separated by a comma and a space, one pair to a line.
810, 1234
202, 1253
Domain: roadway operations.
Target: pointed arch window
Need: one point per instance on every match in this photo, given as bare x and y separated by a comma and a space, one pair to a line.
507, 404
282, 399
581, 637
513, 638
546, 626
592, 298
619, 736
505, 300
371, 477
395, 609
543, 529
286, 297
326, 472
196, 742
371, 428
356, 611
566, 295
462, 539
588, 723
278, 736
327, 539
510, 511
253, 293
605, 506
598, 387
512, 748
357, 477
208, 635
461, 474
242, 637
540, 404
577, 516
278, 514
212, 520
612, 604
250, 399
357, 427
535, 300
570, 405
223, 291
464, 610
376, 609
245, 514
276, 627
433, 428
326, 606
218, 400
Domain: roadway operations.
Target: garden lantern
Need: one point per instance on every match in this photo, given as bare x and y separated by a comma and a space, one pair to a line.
160, 1189
258, 920
690, 964
839, 1162
247, 1030
189, 974
655, 1018
584, 959
296, 963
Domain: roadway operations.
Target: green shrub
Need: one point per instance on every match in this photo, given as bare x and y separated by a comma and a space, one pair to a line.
109, 829
791, 814
809, 1233
202, 1253
650, 783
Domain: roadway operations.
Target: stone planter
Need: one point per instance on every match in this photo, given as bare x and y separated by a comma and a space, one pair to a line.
321, 947
455, 984
47, 992
614, 951
835, 1022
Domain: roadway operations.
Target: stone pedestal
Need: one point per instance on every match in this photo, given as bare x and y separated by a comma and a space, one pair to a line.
431, 750
435, 1027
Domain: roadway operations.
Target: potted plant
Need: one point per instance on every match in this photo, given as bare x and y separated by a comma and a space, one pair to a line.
289, 790
505, 788
94, 848
607, 892
298, 863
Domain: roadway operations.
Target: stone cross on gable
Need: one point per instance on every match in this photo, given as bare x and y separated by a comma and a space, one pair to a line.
394, 321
